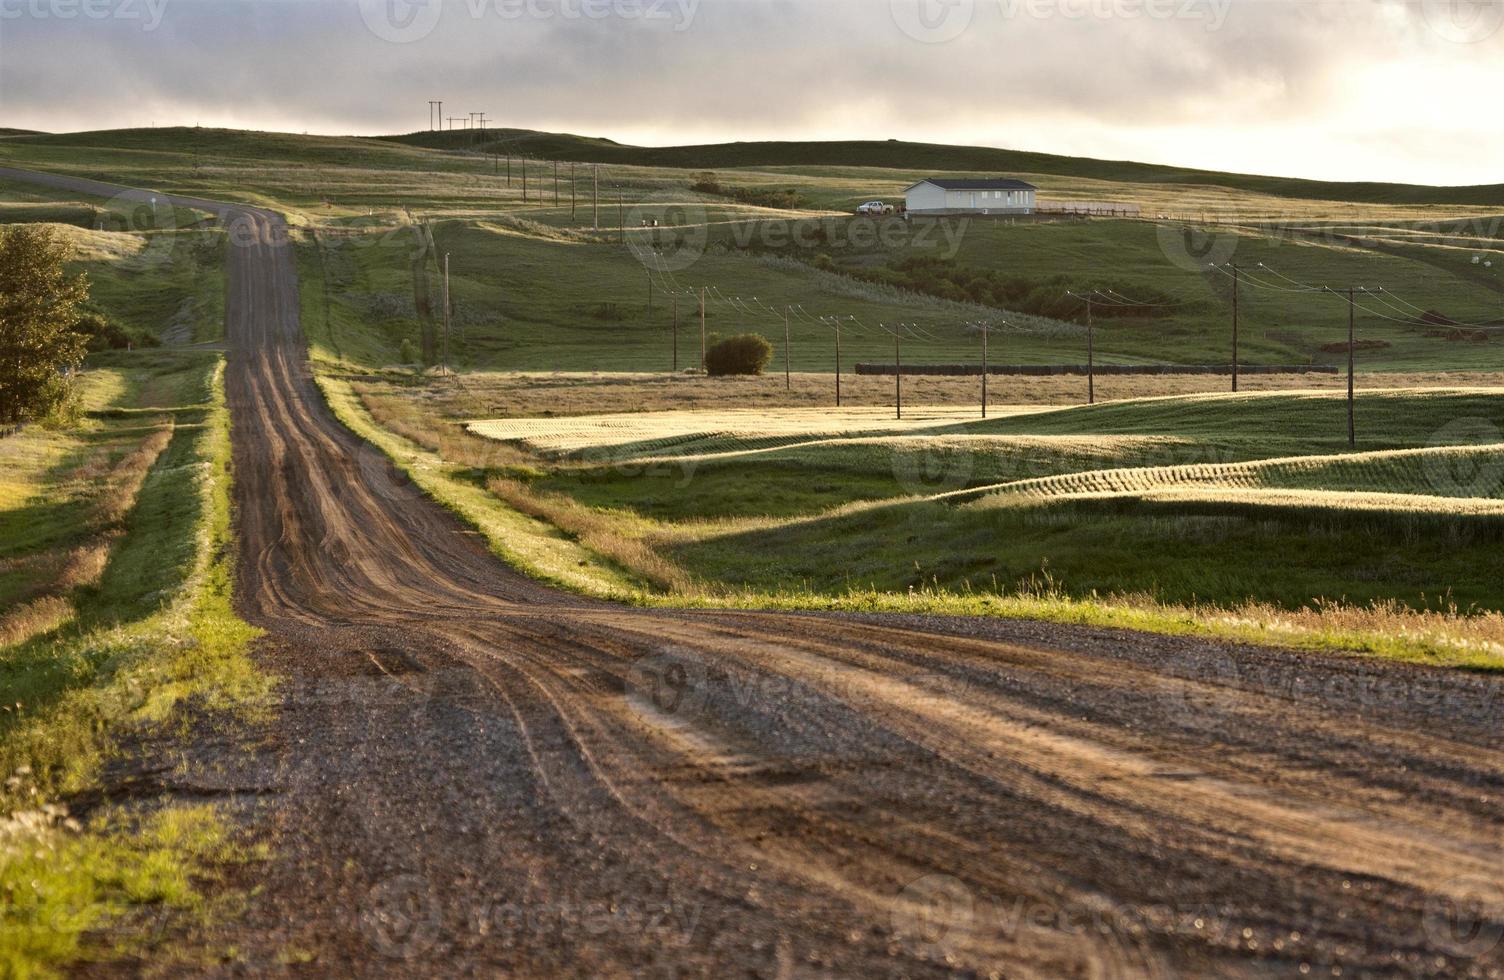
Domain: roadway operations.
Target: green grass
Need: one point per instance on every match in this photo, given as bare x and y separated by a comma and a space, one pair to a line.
157, 273
537, 288
155, 634
929, 157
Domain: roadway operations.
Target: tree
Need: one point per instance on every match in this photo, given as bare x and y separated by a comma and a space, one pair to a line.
39, 314
746, 353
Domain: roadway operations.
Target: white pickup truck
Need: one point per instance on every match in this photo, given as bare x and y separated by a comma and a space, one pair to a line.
875, 207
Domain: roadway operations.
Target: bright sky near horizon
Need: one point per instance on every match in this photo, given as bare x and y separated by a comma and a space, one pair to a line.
1403, 90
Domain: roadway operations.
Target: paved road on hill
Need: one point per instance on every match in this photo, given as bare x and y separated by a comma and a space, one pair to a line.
473, 774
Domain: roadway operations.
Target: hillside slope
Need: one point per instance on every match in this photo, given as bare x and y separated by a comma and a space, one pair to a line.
898, 155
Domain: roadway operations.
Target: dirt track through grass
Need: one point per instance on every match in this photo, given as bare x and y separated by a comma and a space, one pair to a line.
459, 748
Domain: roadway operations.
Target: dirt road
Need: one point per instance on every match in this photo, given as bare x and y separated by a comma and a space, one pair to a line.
472, 774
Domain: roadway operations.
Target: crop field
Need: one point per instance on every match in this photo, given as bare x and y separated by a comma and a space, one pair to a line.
1160, 496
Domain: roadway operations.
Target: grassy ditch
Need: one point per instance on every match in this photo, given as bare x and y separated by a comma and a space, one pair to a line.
150, 635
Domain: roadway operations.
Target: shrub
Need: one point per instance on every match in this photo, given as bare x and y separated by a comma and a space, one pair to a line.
408, 352
746, 353
40, 344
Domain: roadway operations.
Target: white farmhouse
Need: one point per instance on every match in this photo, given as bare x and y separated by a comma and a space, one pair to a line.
972, 195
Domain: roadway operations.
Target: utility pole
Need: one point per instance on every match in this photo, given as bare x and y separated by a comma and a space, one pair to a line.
1352, 428
898, 371
556, 183
595, 211
838, 362
702, 328
985, 327
509, 170
1235, 283
788, 378
650, 290
572, 195
524, 180
1091, 355
676, 333
621, 216
482, 122
446, 313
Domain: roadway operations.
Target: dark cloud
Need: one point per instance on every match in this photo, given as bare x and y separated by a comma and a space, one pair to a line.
1186, 75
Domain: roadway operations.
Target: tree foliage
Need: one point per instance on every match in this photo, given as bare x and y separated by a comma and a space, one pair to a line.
746, 353
39, 315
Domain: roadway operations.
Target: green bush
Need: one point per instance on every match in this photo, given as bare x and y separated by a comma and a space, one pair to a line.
746, 353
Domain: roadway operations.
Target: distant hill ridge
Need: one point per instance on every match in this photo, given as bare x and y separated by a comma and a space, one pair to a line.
914, 158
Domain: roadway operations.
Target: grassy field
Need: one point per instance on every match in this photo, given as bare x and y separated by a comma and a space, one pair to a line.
1238, 516
540, 283
157, 272
115, 611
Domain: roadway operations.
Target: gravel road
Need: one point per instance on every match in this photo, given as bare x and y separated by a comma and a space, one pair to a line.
471, 774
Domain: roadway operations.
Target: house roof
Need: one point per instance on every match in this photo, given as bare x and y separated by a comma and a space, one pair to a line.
977, 184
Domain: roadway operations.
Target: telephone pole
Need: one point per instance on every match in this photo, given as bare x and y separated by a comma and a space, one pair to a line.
898, 371
435, 114
1235, 283
446, 313
838, 362
985, 328
676, 333
1352, 315
572, 189
556, 183
1091, 355
788, 378
702, 329
621, 216
524, 180
595, 209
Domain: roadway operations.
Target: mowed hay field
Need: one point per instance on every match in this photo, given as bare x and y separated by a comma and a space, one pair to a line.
1222, 499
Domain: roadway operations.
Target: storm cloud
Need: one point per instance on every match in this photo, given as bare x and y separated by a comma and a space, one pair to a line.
1360, 89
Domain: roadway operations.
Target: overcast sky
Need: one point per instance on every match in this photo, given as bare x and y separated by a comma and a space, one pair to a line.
1347, 89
